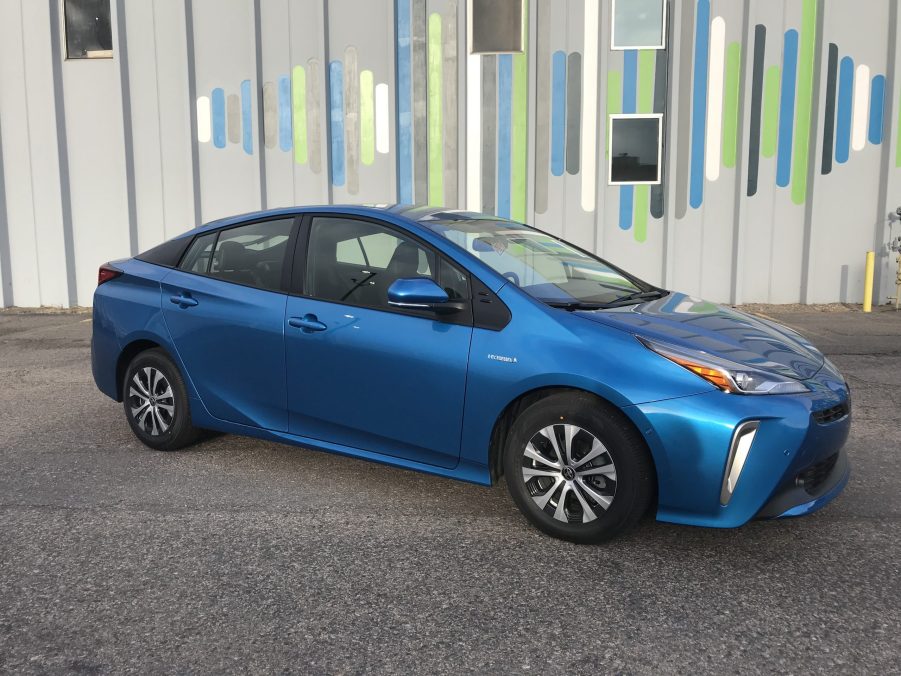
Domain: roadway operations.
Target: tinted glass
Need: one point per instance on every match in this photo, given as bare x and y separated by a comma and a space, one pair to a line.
496, 26
638, 23
543, 266
89, 33
635, 150
253, 255
355, 262
167, 253
197, 258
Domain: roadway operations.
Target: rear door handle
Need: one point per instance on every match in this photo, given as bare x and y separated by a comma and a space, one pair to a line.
307, 323
183, 300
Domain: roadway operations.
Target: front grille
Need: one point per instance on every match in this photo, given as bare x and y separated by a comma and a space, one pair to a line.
813, 477
828, 415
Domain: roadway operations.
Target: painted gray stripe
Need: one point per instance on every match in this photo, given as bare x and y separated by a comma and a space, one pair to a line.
451, 110
270, 115
6, 285
127, 128
542, 105
829, 120
420, 110
686, 56
258, 57
489, 133
659, 107
233, 118
314, 121
192, 97
756, 105
351, 120
573, 112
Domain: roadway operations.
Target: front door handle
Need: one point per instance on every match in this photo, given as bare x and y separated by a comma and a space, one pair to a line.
183, 300
307, 323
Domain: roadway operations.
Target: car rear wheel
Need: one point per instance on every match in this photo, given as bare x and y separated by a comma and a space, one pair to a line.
156, 402
577, 468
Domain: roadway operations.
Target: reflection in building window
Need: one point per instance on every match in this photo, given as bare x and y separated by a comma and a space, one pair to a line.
495, 26
638, 24
89, 33
635, 149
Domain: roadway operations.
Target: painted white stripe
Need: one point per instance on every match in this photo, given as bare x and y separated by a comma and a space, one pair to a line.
474, 132
861, 109
204, 130
715, 98
590, 106
382, 122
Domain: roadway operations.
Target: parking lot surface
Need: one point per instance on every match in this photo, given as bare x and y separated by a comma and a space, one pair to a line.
245, 556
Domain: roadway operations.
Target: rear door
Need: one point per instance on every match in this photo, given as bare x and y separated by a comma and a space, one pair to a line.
225, 308
360, 372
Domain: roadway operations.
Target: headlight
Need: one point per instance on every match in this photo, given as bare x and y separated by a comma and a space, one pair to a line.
727, 375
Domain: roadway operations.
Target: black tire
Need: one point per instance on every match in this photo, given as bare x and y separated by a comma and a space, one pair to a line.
148, 410
630, 486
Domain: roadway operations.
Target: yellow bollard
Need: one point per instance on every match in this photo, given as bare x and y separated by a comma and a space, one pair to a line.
868, 282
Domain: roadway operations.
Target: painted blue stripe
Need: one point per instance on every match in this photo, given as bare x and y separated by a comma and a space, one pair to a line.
845, 104
246, 117
504, 124
336, 119
404, 104
787, 108
217, 104
626, 194
699, 105
877, 103
285, 132
630, 80
630, 95
558, 112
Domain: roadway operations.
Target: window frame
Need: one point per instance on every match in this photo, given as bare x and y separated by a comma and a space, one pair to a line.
94, 55
523, 27
287, 264
299, 269
635, 116
663, 30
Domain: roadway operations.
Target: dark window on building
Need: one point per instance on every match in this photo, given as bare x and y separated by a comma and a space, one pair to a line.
89, 33
635, 149
638, 24
495, 26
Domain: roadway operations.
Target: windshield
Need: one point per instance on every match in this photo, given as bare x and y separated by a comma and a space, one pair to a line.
543, 266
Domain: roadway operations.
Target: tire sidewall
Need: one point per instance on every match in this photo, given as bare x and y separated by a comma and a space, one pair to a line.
629, 456
181, 419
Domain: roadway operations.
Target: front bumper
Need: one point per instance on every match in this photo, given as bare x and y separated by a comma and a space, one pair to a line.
690, 439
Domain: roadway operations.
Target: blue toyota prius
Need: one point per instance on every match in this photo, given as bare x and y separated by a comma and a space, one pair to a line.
472, 347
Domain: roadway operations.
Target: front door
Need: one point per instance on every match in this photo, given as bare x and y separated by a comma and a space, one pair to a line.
225, 310
361, 373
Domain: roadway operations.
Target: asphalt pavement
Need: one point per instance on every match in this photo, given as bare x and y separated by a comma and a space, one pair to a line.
245, 556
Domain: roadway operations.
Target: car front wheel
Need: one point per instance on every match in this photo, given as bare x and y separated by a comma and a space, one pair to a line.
577, 468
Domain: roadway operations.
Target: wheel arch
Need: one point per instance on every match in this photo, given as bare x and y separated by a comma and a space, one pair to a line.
504, 422
129, 352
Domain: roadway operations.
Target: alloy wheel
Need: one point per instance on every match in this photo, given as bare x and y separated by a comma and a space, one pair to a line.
569, 473
151, 401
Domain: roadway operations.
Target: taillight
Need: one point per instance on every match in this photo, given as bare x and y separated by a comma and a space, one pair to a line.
106, 273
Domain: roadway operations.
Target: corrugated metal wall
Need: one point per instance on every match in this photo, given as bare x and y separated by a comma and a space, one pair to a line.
782, 151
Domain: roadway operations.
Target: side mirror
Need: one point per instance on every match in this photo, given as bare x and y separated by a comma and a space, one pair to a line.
420, 293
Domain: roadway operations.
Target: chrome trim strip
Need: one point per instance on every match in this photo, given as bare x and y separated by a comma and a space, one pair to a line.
739, 447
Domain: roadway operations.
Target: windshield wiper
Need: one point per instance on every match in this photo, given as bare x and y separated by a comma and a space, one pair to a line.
638, 296
574, 305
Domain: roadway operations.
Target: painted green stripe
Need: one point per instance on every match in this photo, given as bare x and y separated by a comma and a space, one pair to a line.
642, 205
436, 157
770, 111
614, 102
520, 128
730, 104
367, 118
299, 110
646, 63
898, 135
804, 104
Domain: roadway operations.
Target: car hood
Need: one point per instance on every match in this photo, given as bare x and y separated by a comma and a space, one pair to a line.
695, 324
